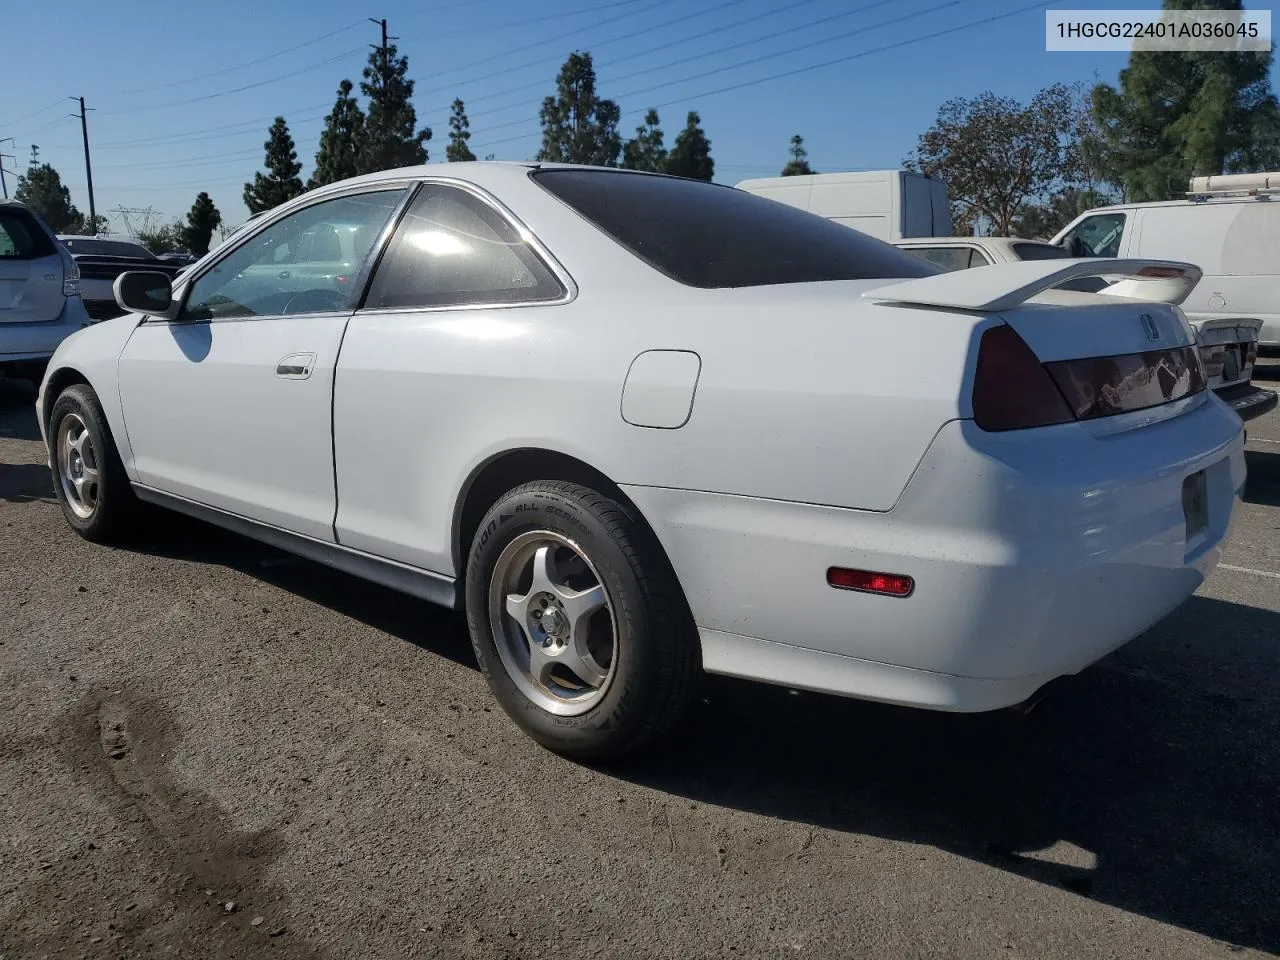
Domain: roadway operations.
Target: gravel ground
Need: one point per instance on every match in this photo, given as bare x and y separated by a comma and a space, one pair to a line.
214, 750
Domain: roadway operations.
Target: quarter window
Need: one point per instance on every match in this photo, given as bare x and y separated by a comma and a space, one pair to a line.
452, 249
309, 262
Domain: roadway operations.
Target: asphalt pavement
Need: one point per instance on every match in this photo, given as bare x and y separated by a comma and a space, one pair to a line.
214, 750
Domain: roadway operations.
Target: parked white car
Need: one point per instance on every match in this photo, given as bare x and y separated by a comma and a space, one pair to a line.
1227, 226
1228, 345
39, 292
640, 426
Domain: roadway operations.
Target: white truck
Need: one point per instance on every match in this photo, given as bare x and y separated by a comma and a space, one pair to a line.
1229, 226
887, 204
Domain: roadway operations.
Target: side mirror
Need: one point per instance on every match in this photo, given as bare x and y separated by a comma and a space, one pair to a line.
144, 291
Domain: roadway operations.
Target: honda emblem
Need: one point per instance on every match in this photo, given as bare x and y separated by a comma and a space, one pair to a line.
1149, 325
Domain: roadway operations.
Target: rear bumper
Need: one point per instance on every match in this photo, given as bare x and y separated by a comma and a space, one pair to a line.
1249, 401
1033, 557
27, 342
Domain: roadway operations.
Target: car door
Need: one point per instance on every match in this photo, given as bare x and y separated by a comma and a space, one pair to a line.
445, 323
229, 405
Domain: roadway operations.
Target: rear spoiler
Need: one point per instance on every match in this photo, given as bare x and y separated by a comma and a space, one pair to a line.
1003, 286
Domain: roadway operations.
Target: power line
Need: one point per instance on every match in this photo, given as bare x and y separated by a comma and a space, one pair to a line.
234, 90
490, 28
810, 67
557, 57
559, 38
34, 113
699, 56
211, 133
240, 66
748, 62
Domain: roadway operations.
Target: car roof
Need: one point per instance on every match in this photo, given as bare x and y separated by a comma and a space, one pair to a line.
992, 243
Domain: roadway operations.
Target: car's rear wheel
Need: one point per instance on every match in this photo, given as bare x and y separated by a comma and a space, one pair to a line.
577, 620
88, 477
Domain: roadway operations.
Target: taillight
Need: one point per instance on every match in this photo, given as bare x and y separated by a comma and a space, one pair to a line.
1104, 386
71, 279
1011, 389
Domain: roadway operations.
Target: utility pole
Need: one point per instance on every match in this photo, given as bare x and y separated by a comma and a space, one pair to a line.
35, 156
88, 169
382, 48
4, 186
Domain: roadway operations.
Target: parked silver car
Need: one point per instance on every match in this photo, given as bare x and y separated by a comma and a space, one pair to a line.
40, 301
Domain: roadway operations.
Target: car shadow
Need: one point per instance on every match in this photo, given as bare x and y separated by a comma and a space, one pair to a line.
1262, 486
17, 410
1161, 764
395, 613
25, 482
1168, 786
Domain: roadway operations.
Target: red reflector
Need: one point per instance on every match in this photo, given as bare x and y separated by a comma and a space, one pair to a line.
886, 583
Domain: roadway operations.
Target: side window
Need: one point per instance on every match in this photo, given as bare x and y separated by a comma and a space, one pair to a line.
1096, 236
948, 258
452, 249
309, 262
977, 258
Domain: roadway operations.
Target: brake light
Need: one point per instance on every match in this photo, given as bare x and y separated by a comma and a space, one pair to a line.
1161, 272
71, 278
1104, 386
890, 584
1011, 389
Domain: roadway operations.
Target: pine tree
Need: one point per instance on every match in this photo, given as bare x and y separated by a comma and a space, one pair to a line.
202, 220
691, 153
391, 140
341, 142
459, 134
281, 181
646, 151
577, 126
798, 165
41, 188
1179, 115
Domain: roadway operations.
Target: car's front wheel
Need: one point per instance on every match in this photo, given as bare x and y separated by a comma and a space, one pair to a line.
88, 477
577, 620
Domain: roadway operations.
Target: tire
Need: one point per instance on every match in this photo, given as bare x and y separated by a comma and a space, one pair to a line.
102, 510
589, 541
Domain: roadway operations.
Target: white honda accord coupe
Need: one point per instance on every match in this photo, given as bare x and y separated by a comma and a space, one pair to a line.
640, 427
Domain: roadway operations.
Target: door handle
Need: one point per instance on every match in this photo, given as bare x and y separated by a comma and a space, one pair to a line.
284, 274
296, 366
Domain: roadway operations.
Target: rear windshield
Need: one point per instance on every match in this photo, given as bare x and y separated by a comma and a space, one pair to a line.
106, 248
1038, 251
707, 235
21, 237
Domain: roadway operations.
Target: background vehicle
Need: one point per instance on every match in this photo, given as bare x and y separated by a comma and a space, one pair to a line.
101, 260
640, 425
39, 292
886, 204
1228, 226
1228, 345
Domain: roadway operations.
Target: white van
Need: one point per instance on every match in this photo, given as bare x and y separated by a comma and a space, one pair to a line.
1229, 227
887, 204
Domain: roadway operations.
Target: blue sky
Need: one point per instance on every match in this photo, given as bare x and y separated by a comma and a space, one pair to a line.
182, 94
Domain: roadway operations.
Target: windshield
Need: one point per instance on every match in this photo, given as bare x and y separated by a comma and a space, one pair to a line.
707, 235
